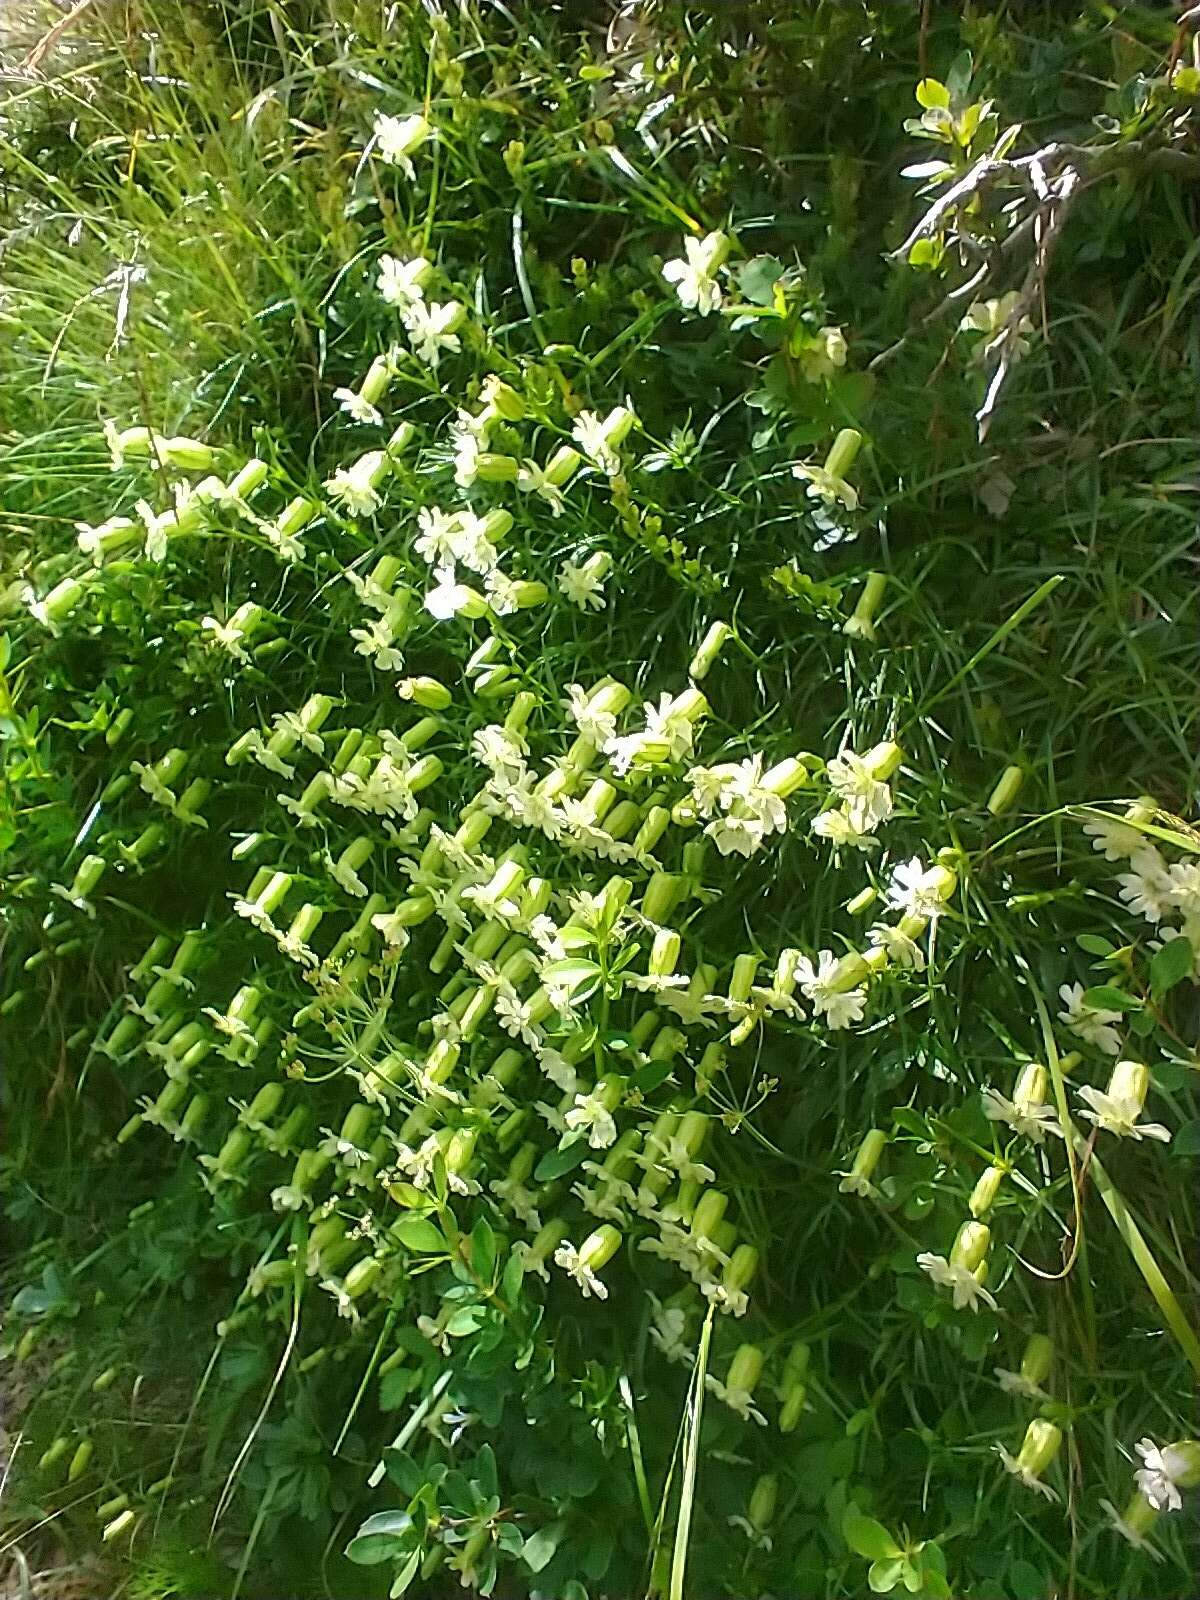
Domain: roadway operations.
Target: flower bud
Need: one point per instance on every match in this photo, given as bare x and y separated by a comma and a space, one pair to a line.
1037, 1359
1129, 1083
562, 466
763, 1500
708, 649
118, 1526
785, 777
985, 1191
970, 1246
616, 426
189, 455
662, 894
1039, 1447
709, 1212
1008, 787
793, 1407
860, 624
58, 605
883, 759
741, 979
739, 1274
598, 1249
249, 478
1031, 1086
866, 1159
402, 434
745, 1369
862, 901
843, 452
503, 399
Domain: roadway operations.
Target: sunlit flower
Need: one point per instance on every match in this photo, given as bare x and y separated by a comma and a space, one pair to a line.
1148, 887
431, 328
356, 407
582, 582
836, 1010
694, 273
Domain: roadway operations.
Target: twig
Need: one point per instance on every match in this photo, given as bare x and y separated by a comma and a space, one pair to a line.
49, 39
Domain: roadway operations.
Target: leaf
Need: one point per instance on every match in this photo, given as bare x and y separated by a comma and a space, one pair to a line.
395, 1386
757, 279
466, 1321
650, 1076
379, 1538
931, 92
1105, 997
1171, 965
540, 1546
402, 1470
418, 1233
866, 1537
405, 1576
1187, 1141
883, 1576
483, 1250
557, 1162
1094, 945
572, 973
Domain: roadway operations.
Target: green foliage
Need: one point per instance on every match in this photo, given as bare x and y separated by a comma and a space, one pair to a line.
321, 998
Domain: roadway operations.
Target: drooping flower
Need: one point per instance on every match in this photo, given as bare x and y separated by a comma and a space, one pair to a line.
1118, 1110
1092, 1024
865, 799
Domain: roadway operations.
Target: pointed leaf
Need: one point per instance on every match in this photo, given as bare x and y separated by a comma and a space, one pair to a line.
1171, 965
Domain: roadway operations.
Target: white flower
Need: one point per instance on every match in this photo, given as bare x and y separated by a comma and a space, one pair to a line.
692, 275
377, 641
901, 950
1119, 1525
837, 1010
593, 723
1115, 840
467, 448
1034, 1121
866, 800
567, 1257
520, 1201
515, 1017
1185, 887
840, 829
826, 486
1149, 887
471, 544
1013, 1383
431, 328
1092, 1024
400, 283
227, 635
914, 890
396, 138
391, 929
356, 408
582, 585
1119, 1114
1023, 1474
589, 1112
499, 748
588, 431
532, 480
447, 598
502, 592
436, 542
354, 487
667, 1330
738, 1400
967, 1291
1157, 1478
